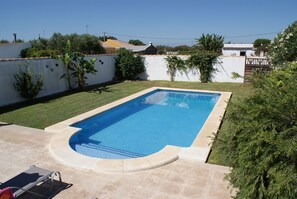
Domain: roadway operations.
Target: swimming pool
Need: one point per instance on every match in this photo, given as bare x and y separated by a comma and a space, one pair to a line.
144, 125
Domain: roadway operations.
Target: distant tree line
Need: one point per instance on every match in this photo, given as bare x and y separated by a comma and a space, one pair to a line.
136, 42
85, 43
182, 49
208, 42
90, 44
4, 41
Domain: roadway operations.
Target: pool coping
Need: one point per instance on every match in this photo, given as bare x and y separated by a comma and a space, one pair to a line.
198, 151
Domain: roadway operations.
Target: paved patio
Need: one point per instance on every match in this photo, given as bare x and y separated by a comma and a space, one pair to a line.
21, 147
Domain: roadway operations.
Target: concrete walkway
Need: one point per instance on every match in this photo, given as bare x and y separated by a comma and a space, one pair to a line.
21, 147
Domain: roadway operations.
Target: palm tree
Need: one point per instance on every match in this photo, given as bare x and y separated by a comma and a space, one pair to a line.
211, 42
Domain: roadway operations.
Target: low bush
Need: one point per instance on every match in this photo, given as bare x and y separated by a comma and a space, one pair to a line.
128, 65
27, 84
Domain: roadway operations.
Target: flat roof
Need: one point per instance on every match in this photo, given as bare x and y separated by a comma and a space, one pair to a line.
238, 46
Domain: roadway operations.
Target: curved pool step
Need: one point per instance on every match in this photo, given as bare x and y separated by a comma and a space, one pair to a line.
100, 151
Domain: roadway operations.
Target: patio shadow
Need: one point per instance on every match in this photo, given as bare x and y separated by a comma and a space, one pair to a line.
44, 188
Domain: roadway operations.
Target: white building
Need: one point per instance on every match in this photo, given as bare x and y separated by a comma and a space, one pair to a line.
238, 50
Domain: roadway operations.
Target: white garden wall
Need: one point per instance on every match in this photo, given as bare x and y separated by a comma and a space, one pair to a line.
105, 70
46, 67
156, 69
225, 66
51, 70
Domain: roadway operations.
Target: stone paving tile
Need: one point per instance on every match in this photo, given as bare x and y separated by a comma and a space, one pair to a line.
183, 179
171, 187
191, 191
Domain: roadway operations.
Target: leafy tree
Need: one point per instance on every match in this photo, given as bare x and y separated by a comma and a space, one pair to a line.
40, 44
57, 42
283, 47
261, 42
27, 84
211, 42
203, 62
128, 65
261, 145
136, 42
87, 44
261, 45
174, 64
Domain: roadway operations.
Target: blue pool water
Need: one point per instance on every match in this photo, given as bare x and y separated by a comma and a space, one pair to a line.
144, 125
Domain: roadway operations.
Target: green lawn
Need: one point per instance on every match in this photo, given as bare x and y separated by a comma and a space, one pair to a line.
49, 112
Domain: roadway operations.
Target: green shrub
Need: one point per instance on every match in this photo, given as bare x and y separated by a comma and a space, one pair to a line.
174, 64
128, 65
34, 52
261, 145
27, 84
203, 61
23, 53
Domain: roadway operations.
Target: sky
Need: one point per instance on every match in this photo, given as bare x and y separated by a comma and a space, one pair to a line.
162, 22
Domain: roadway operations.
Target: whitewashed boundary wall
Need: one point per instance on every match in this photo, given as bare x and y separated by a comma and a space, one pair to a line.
51, 70
225, 66
105, 66
13, 50
156, 69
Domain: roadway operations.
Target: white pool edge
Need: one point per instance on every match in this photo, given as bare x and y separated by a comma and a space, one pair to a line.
199, 150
